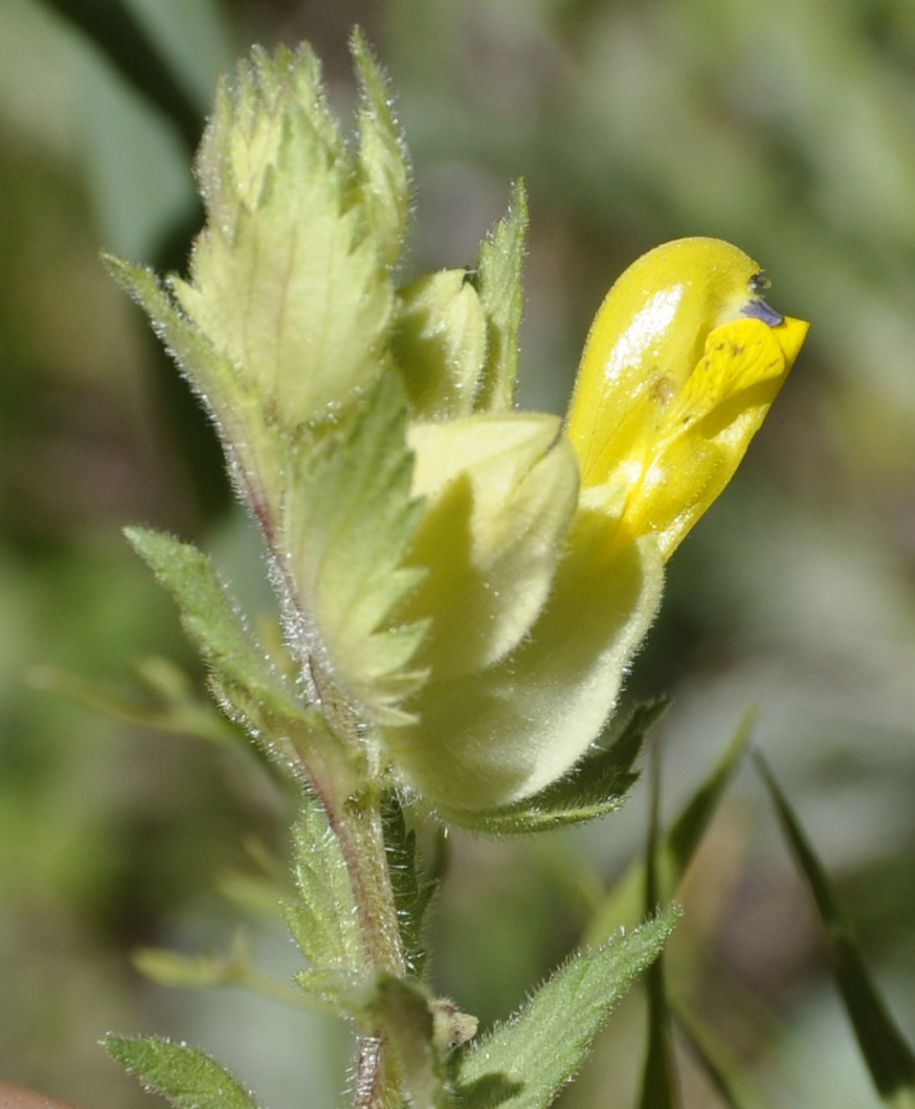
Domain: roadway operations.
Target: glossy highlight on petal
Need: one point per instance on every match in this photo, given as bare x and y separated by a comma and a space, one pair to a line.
647, 336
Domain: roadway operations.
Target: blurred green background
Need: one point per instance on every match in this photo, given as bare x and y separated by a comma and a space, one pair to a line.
787, 128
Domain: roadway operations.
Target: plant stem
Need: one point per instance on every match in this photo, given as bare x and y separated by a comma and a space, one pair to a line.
356, 821
358, 826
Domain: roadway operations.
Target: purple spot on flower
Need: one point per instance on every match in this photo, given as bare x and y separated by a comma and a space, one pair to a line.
759, 310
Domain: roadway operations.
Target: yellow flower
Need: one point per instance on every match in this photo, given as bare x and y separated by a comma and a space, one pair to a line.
680, 368
682, 363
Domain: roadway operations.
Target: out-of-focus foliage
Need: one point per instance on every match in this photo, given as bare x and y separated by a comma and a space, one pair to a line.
786, 128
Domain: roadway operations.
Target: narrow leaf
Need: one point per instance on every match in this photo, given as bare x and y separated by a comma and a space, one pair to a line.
323, 918
523, 1063
412, 891
623, 904
188, 1077
498, 282
659, 1082
715, 1061
690, 826
188, 716
241, 676
192, 972
127, 45
205, 972
262, 891
598, 785
889, 1058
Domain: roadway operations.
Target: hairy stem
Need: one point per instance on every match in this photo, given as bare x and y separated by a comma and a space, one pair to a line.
357, 823
358, 826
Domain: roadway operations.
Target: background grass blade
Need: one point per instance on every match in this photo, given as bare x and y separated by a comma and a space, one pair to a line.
116, 31
889, 1058
623, 905
715, 1059
659, 1077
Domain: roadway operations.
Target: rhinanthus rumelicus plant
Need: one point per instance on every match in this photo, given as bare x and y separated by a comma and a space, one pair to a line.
462, 586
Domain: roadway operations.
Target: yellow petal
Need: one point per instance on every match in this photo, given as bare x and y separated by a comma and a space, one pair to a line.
645, 340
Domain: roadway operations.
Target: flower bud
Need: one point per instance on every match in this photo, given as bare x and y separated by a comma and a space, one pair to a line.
439, 343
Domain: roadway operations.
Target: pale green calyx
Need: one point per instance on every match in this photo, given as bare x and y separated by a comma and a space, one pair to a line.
499, 492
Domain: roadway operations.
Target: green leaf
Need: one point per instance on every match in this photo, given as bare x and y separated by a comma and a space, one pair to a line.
623, 905
523, 1063
242, 678
347, 526
412, 892
598, 785
209, 616
129, 47
195, 972
205, 972
439, 344
323, 918
889, 1058
188, 1077
384, 174
252, 894
498, 281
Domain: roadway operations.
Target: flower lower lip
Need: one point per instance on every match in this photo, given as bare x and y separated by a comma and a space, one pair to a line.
759, 310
